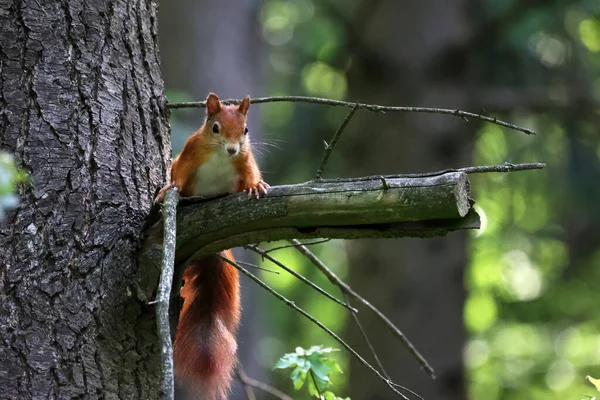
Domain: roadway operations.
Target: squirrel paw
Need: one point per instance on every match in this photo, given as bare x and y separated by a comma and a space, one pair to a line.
256, 189
161, 194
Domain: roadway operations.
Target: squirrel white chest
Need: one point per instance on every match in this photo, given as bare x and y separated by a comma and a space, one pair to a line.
216, 176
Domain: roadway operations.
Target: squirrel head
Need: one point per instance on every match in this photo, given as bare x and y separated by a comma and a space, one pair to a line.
226, 124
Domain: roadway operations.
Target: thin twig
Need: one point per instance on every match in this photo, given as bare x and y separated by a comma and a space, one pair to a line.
467, 170
366, 337
287, 246
370, 107
292, 305
247, 264
247, 381
247, 387
506, 167
347, 289
297, 275
329, 147
163, 296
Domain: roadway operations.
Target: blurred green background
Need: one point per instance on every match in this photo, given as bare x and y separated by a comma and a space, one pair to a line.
508, 312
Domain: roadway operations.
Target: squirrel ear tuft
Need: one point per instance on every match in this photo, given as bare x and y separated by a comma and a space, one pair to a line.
244, 105
213, 104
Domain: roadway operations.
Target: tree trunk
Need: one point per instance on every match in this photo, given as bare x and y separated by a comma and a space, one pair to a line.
82, 109
418, 283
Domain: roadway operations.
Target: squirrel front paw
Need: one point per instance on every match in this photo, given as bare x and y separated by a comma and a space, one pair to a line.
161, 194
257, 188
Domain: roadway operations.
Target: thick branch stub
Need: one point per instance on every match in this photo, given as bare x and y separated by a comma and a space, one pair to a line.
164, 294
423, 206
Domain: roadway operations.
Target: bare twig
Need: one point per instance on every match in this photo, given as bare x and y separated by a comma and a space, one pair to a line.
366, 337
467, 170
247, 264
164, 292
247, 381
330, 146
247, 387
287, 246
506, 167
347, 289
297, 275
291, 304
370, 107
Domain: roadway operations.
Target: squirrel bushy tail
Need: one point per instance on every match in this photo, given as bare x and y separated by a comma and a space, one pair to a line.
205, 345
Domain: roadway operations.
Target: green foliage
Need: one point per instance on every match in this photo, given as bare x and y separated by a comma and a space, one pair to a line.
589, 30
530, 307
313, 363
10, 177
289, 329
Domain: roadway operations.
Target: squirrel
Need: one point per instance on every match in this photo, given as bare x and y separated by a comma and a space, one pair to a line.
217, 159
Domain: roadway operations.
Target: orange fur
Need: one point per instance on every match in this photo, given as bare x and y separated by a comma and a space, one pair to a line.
205, 345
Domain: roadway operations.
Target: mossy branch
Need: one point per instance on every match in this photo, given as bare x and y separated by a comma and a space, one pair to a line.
373, 207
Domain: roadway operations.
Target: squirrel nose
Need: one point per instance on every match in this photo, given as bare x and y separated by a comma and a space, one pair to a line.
231, 150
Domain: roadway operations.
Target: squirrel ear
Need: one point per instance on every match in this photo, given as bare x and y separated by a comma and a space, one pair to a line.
213, 104
244, 105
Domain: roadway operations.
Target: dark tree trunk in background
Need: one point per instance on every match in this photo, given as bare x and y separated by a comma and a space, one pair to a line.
214, 46
82, 108
414, 59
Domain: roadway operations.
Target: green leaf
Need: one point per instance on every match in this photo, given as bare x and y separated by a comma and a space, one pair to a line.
298, 377
333, 365
288, 360
312, 390
330, 396
10, 176
595, 382
321, 370
313, 360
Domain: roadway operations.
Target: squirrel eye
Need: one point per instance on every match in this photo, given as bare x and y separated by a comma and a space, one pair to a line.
245, 130
215, 128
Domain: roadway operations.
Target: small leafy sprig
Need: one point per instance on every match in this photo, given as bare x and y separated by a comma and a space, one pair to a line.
313, 363
10, 176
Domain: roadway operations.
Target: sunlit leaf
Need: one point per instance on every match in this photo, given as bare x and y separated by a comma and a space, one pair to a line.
480, 312
298, 377
321, 79
312, 364
10, 177
589, 31
595, 382
286, 361
312, 389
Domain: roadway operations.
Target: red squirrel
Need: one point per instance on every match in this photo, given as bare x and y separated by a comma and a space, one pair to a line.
216, 159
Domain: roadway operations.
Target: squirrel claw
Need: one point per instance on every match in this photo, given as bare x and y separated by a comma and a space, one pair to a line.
261, 186
161, 194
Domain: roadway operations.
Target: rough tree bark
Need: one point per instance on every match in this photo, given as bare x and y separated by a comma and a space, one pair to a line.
82, 108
